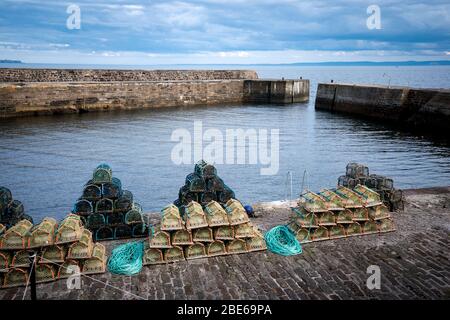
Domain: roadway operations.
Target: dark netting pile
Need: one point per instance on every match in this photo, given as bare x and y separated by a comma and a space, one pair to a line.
11, 210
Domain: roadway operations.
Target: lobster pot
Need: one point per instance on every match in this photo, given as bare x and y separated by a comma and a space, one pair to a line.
205, 169
171, 219
195, 217
346, 181
195, 251
319, 234
21, 259
83, 207
16, 277
102, 174
379, 212
244, 230
5, 261
386, 225
327, 219
96, 263
186, 196
70, 230
216, 215
216, 248
160, 240
337, 231
174, 254
43, 234
203, 235
305, 219
123, 231
353, 229
16, 237
371, 182
369, 227
16, 209
207, 197
139, 230
2, 229
356, 170
370, 197
92, 192
195, 183
45, 273
95, 220
124, 203
104, 233
334, 202
236, 246
81, 249
224, 233
134, 216
397, 206
352, 199
345, 216
236, 212
215, 184
53, 254
153, 256
182, 238
104, 206
257, 243
396, 195
69, 268
226, 195
303, 235
5, 199
383, 183
312, 202
115, 218
360, 214
112, 190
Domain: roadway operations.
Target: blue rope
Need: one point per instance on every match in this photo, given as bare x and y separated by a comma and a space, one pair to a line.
127, 258
281, 240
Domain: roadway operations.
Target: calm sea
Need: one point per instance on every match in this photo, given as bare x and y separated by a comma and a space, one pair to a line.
45, 161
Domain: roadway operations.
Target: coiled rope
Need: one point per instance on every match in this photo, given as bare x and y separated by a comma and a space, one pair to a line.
281, 240
127, 258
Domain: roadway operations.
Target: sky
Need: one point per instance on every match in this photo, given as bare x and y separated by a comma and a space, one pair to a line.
148, 32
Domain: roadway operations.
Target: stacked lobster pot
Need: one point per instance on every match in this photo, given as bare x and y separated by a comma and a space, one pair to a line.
359, 174
340, 213
61, 250
107, 210
198, 231
11, 210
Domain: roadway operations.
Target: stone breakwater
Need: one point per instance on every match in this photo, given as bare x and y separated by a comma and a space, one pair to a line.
27, 92
422, 109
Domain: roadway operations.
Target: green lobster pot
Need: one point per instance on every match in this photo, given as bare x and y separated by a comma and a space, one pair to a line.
174, 254
5, 199
45, 273
134, 216
370, 227
345, 216
337, 231
305, 219
216, 215
257, 243
16, 209
21, 259
95, 220
96, 263
353, 229
327, 219
224, 233
70, 230
124, 203
360, 214
43, 234
205, 170
386, 225
16, 277
104, 233
104, 206
379, 212
195, 251
236, 246
203, 235
216, 248
320, 233
83, 207
69, 268
16, 237
356, 170
123, 232
115, 218
5, 261
160, 240
215, 184
92, 192
140, 230
112, 190
102, 174
182, 238
226, 195
81, 249
186, 196
236, 212
207, 197
244, 230
195, 183
153, 256
53, 254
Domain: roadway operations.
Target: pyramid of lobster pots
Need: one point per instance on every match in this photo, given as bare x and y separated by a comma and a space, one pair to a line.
205, 221
340, 212
107, 210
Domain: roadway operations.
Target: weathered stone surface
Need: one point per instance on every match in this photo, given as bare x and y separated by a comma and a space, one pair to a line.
414, 264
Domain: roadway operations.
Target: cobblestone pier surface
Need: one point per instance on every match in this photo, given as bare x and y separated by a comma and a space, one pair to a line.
414, 264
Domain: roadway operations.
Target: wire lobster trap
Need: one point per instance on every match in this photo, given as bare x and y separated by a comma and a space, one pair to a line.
236, 246
202, 235
140, 230
182, 238
224, 233
104, 206
312, 202
69, 230
370, 197
83, 207
236, 212
81, 249
97, 262
123, 231
5, 261
124, 203
386, 225
194, 216
92, 192
348, 182
226, 195
356, 170
16, 237
160, 239
216, 215
319, 234
115, 218
16, 209
304, 218
215, 184
244, 230
104, 233
344, 217
205, 170
334, 201
351, 198
216, 248
53, 254
186, 196
195, 183
134, 216
369, 227
102, 174
379, 212
95, 220
360, 214
174, 254
113, 189
69, 268
206, 197
171, 219
195, 251
326, 218
256, 243
16, 277
46, 273
353, 229
337, 232
153, 256
21, 259
383, 183
43, 234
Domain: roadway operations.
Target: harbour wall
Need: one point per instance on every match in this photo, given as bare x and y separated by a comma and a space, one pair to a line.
421, 109
103, 90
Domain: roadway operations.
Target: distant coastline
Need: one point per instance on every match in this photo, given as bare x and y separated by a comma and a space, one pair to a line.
10, 61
